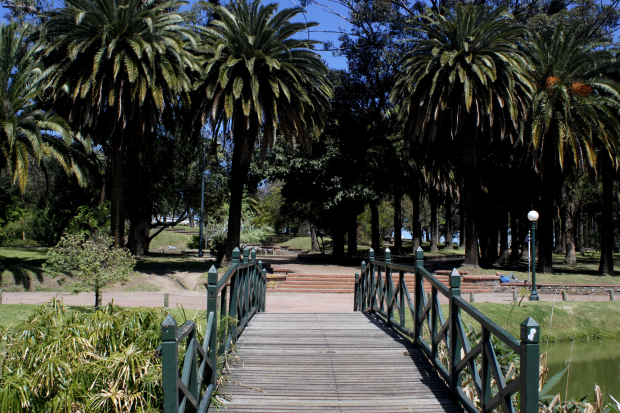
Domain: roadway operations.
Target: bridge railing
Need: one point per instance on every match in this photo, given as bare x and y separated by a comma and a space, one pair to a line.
239, 293
382, 289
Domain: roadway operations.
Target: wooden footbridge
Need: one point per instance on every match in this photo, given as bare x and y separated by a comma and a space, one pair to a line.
395, 352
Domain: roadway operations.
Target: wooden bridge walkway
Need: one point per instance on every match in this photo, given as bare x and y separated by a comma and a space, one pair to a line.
347, 362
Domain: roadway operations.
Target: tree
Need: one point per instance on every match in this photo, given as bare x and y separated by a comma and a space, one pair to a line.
118, 69
29, 133
574, 112
469, 76
93, 262
259, 78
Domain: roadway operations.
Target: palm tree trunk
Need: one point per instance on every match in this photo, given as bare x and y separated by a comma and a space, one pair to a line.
243, 147
448, 207
606, 265
432, 197
544, 234
471, 185
375, 242
338, 232
117, 218
462, 219
140, 199
416, 235
398, 223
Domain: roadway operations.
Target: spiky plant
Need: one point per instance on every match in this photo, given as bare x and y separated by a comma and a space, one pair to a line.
466, 78
259, 79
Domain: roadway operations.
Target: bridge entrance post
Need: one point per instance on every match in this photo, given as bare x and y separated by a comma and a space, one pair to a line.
455, 343
530, 353
418, 301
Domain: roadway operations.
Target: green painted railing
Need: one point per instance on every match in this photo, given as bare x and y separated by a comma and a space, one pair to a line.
241, 294
381, 289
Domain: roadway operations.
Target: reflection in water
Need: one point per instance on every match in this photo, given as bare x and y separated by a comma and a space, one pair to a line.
591, 362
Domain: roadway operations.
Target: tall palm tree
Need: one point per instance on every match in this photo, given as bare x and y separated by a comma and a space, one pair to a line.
466, 78
260, 80
26, 131
120, 67
573, 112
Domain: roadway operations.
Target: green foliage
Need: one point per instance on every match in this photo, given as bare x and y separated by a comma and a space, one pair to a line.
63, 360
93, 262
28, 133
18, 232
386, 222
89, 220
469, 69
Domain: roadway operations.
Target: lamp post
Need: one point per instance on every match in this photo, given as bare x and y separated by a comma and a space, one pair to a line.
533, 217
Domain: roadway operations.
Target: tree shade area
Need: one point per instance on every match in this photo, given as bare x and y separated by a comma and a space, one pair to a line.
452, 120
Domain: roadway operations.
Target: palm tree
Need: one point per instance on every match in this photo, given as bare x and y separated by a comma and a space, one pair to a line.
120, 67
467, 78
260, 79
27, 132
574, 112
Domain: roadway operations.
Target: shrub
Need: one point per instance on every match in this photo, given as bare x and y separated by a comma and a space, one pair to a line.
92, 261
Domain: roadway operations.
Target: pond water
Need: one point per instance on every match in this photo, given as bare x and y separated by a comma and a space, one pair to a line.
590, 362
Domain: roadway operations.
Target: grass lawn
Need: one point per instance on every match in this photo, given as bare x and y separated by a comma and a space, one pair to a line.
169, 238
304, 242
571, 320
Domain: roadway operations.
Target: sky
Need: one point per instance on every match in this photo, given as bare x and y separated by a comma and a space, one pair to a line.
314, 13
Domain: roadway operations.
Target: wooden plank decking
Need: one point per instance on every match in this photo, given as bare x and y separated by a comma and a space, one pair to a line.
348, 362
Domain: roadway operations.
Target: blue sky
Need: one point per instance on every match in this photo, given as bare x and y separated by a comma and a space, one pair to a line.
328, 22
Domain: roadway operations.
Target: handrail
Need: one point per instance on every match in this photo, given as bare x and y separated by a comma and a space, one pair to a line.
248, 283
376, 291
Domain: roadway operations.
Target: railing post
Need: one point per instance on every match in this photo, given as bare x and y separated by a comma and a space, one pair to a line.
418, 301
388, 279
212, 307
246, 282
255, 275
401, 286
261, 281
170, 364
455, 343
371, 293
530, 352
356, 293
362, 297
264, 291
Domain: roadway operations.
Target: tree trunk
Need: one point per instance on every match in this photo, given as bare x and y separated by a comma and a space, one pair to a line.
514, 237
139, 199
503, 238
579, 224
569, 227
398, 223
191, 219
471, 185
117, 218
524, 227
352, 233
544, 234
375, 242
243, 146
559, 238
462, 219
313, 238
606, 265
432, 197
338, 233
448, 207
416, 234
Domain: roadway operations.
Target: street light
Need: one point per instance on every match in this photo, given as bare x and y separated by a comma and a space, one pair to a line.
533, 217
